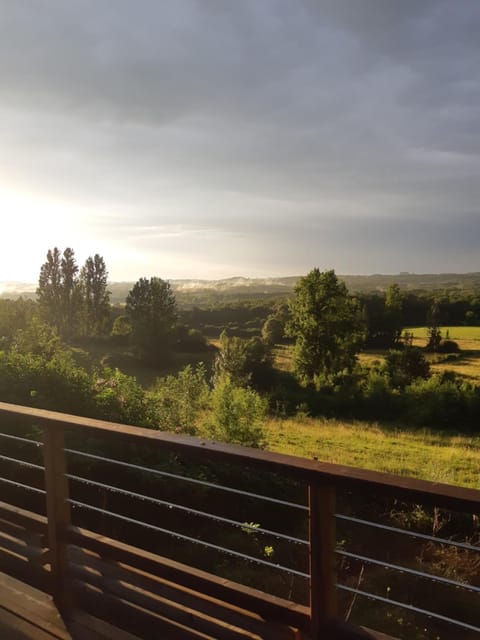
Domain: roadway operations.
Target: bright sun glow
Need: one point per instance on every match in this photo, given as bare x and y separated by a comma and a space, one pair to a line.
32, 225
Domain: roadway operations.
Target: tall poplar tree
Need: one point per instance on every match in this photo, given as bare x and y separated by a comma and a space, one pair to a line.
50, 286
58, 292
96, 297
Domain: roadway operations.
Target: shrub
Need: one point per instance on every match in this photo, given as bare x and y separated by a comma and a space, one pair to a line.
443, 401
449, 346
405, 366
119, 398
121, 330
180, 399
237, 414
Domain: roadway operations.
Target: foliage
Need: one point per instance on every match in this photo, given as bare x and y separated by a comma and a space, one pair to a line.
14, 315
152, 311
237, 414
443, 401
244, 361
273, 330
188, 340
326, 324
96, 297
119, 398
406, 365
37, 339
434, 339
121, 330
73, 304
180, 399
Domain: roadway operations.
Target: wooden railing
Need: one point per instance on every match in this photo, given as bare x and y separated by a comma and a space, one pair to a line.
324, 484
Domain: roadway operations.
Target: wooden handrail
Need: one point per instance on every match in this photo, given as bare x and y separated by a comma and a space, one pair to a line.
310, 471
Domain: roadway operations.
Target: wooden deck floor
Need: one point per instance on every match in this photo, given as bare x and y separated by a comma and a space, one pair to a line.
29, 614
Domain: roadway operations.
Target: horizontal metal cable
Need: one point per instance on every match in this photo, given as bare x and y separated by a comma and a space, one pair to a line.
413, 572
412, 534
181, 536
19, 439
410, 607
187, 479
180, 507
23, 486
23, 463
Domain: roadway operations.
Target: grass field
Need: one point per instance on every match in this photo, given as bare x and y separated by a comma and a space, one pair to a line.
455, 333
468, 338
423, 454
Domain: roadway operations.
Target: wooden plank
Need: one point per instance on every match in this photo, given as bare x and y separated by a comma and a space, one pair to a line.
27, 519
269, 607
441, 495
14, 628
176, 612
20, 567
130, 617
322, 544
153, 592
83, 623
58, 511
33, 606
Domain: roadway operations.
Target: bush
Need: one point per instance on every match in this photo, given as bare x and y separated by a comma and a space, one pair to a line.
443, 401
119, 398
405, 366
237, 414
448, 346
121, 330
180, 399
189, 340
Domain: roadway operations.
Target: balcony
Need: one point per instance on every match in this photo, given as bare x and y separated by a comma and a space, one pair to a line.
108, 530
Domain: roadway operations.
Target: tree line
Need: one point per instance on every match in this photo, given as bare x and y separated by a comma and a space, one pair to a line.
326, 325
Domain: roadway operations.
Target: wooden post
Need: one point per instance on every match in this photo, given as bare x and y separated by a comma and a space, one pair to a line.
323, 578
58, 511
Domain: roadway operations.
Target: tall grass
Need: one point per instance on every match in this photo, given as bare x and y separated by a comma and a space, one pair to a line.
440, 457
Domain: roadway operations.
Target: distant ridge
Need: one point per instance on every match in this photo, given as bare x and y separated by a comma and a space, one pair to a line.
256, 287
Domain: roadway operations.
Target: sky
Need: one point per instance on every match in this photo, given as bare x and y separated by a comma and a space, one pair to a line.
216, 138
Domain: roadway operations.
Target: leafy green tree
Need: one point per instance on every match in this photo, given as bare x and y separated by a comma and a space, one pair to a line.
152, 310
393, 316
96, 297
326, 324
434, 334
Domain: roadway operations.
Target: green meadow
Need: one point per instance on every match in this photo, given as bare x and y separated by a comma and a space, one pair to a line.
435, 456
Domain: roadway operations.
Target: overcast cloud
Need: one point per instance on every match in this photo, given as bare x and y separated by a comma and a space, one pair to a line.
220, 137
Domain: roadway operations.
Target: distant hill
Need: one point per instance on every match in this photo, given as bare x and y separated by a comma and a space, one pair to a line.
197, 291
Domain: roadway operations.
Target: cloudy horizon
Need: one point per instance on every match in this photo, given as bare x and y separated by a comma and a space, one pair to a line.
208, 139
